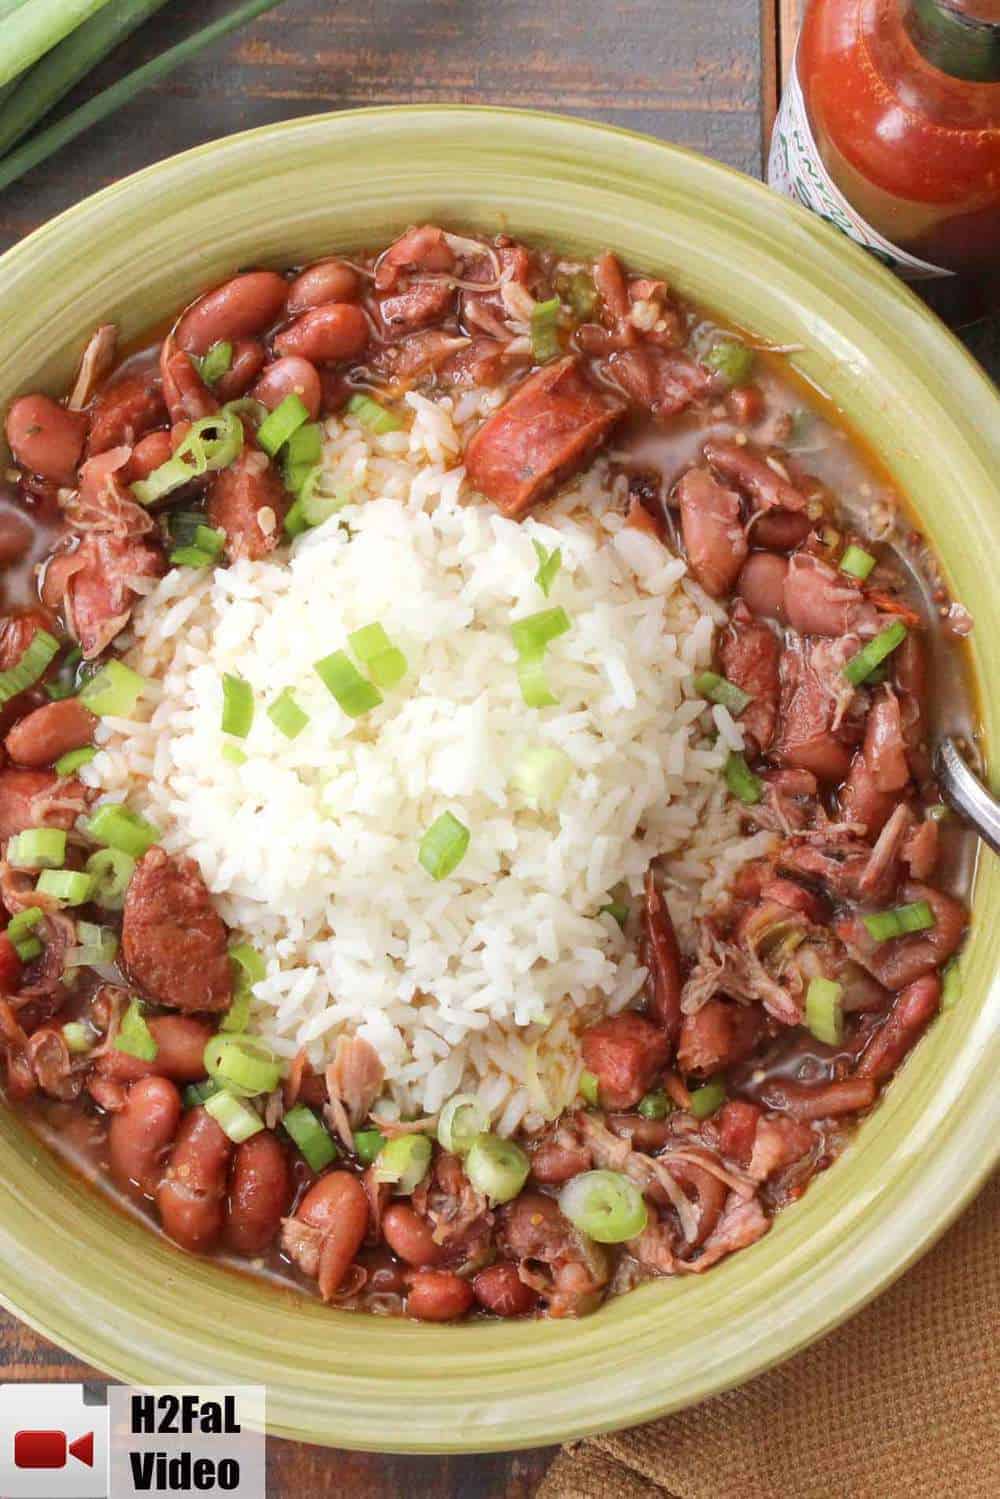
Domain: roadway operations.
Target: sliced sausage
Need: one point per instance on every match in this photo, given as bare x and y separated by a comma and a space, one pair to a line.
626, 1054
50, 731
721, 1033
248, 501
191, 1197
174, 944
45, 438
140, 1133
713, 531
260, 1189
240, 308
125, 411
750, 656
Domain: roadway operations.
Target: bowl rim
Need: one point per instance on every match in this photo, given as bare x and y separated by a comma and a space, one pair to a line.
968, 1154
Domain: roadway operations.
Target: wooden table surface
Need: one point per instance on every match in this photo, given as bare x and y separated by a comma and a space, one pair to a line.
702, 73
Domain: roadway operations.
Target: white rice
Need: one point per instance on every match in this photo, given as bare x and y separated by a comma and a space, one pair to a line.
483, 980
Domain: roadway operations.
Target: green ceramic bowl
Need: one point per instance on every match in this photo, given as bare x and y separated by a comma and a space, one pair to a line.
101, 1284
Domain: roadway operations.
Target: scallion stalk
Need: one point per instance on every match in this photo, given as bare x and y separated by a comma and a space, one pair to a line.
740, 779
68, 886
134, 1035
900, 921
372, 415
113, 691
110, 869
73, 759
236, 1120
860, 667
279, 425
383, 661
237, 706
312, 1138
217, 362
549, 564
121, 828
545, 343
37, 848
716, 689
287, 716
824, 1015
29, 31
444, 846
857, 563
32, 664
355, 695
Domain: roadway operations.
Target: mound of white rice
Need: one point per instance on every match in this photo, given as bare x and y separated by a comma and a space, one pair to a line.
480, 981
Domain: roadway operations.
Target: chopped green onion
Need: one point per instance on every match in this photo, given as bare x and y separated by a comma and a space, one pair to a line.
741, 780
951, 985
190, 557
305, 446
79, 1038
532, 636
542, 775
32, 663
580, 292
705, 1100
460, 1122
69, 886
535, 689
234, 1118
29, 949
857, 563
97, 944
861, 666
287, 716
496, 1167
242, 1064
605, 1206
617, 906
824, 1015
110, 869
443, 846
367, 1144
205, 547
24, 922
316, 506
119, 827
250, 965
217, 362
884, 925
279, 425
549, 564
588, 1088
655, 1105
716, 689
134, 1035
237, 706
248, 968
73, 759
732, 360
403, 1162
37, 848
195, 1094
312, 1138
237, 1017
545, 343
233, 754
113, 691
384, 662
373, 416
210, 444
355, 695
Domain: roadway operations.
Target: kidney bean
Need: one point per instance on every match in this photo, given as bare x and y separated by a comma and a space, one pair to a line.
290, 376
15, 537
761, 584
554, 1163
180, 1050
410, 1236
386, 1276
501, 1291
45, 438
338, 1206
191, 1196
746, 405
325, 334
246, 305
149, 452
50, 731
438, 1296
139, 1135
259, 1192
326, 281
249, 358
780, 529
645, 1134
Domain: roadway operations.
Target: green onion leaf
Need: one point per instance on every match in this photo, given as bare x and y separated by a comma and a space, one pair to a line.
134, 1035
355, 695
195, 1094
210, 444
716, 689
655, 1105
731, 360
444, 846
248, 968
373, 416
37, 848
542, 775
237, 706
549, 564
279, 425
68, 886
616, 908
824, 1015
860, 667
190, 557
305, 446
24, 922
96, 944
110, 869
535, 632
217, 362
367, 1144
235, 1119
403, 1162
460, 1122
113, 691
741, 780
604, 1205
497, 1167
119, 827
311, 1137
287, 716
384, 662
73, 759
242, 1064
32, 663
706, 1100
233, 754
79, 1038
588, 1088
900, 921
545, 343
533, 682
857, 563
580, 292
29, 949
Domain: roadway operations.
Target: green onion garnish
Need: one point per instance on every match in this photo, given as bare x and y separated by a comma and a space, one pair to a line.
195, 1094
716, 689
545, 343
134, 1035
824, 1015
79, 1038
233, 754
580, 292
497, 1167
549, 564
37, 848
741, 780
73, 759
65, 684
217, 362
113, 691
732, 360
532, 636
384, 662
951, 986
237, 1017
110, 869
205, 548
460, 1122
32, 663
24, 922
287, 716
705, 1100
248, 968
123, 829
403, 1162
68, 886
305, 446
237, 706
313, 506
542, 775
857, 563
29, 949
588, 1088
604, 1205
898, 922
311, 1137
235, 1119
367, 1144
373, 416
210, 444
242, 1064
97, 944
279, 425
443, 846
861, 666
616, 908
354, 693
655, 1105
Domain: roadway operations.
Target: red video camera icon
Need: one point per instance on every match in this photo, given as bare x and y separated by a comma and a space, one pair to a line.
49, 1449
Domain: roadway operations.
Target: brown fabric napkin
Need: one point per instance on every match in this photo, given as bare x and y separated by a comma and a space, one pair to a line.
903, 1402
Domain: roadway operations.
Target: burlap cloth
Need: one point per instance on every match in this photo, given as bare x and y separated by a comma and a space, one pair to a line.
903, 1402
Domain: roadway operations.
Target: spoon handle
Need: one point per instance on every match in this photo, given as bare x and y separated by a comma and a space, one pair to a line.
966, 793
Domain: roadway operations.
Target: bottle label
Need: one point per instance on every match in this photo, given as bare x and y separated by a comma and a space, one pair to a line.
796, 169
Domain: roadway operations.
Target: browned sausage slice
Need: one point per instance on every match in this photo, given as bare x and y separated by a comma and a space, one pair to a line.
248, 502
173, 940
546, 432
626, 1054
126, 411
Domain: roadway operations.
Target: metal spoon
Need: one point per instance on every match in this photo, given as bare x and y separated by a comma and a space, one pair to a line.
966, 792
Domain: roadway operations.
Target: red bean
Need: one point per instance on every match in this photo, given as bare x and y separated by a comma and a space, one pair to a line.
239, 308
554, 1163
139, 1135
290, 376
180, 1050
191, 1196
438, 1296
325, 334
326, 281
249, 358
761, 584
338, 1206
410, 1236
15, 537
45, 438
501, 1291
780, 529
50, 731
259, 1192
149, 452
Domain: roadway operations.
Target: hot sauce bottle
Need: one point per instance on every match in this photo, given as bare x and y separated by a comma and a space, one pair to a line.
890, 129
